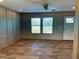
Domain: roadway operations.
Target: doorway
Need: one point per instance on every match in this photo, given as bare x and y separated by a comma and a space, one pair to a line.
68, 33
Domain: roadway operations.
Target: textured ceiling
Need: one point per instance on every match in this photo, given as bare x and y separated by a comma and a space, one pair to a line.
37, 5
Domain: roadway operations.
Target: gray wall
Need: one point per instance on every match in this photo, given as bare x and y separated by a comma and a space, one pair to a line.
25, 21
9, 26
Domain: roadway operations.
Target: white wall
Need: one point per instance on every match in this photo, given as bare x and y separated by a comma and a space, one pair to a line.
9, 27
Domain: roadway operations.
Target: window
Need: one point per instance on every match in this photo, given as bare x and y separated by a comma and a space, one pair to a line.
69, 20
48, 25
35, 25
45, 26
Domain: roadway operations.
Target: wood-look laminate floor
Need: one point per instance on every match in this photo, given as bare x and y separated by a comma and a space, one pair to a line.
38, 49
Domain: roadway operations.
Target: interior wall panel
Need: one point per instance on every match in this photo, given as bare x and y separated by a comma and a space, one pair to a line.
8, 26
9, 22
14, 25
3, 28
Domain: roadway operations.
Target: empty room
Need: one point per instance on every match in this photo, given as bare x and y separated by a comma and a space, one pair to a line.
39, 29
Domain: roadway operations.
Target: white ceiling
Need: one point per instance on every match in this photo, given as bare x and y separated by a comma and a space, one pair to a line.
37, 5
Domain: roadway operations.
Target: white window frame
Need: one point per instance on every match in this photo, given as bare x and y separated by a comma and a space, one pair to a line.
34, 32
49, 27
